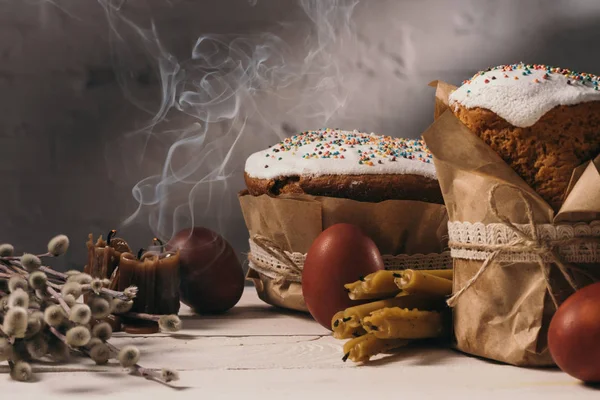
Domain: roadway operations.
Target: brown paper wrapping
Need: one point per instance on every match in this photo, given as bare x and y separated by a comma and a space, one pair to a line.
294, 221
505, 314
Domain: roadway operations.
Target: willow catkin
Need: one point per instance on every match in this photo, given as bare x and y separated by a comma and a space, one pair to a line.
6, 250
71, 288
100, 353
38, 280
15, 322
100, 307
21, 371
118, 306
35, 322
6, 350
17, 282
102, 331
169, 375
80, 314
54, 315
96, 285
30, 262
70, 300
18, 298
129, 356
78, 336
58, 245
81, 278
169, 323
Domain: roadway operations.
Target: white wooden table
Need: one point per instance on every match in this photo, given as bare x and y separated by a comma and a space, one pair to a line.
259, 352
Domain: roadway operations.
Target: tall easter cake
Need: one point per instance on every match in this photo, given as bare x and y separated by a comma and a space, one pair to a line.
543, 121
345, 164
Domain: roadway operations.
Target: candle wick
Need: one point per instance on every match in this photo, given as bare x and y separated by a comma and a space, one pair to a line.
157, 241
110, 235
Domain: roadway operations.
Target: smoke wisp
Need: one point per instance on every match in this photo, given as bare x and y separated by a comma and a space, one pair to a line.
229, 96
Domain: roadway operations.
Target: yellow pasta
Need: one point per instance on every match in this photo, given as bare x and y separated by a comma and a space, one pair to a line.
403, 323
363, 348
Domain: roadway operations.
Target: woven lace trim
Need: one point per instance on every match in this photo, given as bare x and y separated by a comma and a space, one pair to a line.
263, 262
498, 234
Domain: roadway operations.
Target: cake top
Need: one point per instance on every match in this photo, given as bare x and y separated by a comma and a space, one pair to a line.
522, 93
337, 152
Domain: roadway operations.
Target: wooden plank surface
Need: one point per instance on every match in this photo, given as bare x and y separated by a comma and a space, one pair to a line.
259, 352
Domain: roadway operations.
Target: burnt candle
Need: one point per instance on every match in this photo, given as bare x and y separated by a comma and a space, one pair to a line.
103, 263
166, 291
104, 256
156, 276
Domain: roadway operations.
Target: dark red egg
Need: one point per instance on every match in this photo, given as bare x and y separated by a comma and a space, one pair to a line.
339, 255
212, 278
574, 334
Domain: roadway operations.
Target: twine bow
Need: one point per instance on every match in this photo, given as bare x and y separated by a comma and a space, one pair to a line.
286, 271
544, 250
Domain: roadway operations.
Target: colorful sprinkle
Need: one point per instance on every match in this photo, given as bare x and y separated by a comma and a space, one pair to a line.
331, 143
526, 70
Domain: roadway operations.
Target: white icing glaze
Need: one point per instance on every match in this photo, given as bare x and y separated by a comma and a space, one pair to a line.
524, 100
390, 156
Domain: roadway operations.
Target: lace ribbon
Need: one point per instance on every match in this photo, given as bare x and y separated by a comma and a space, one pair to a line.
270, 260
544, 244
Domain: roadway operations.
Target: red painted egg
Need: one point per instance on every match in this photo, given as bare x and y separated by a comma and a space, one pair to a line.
212, 278
339, 255
574, 334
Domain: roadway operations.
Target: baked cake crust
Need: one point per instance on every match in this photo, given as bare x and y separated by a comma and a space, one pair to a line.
371, 188
345, 164
543, 121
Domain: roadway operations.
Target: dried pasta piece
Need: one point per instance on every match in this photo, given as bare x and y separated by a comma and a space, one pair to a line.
420, 282
403, 323
378, 285
362, 348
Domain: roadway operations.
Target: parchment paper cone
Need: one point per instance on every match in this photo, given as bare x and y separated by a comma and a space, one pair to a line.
292, 222
505, 314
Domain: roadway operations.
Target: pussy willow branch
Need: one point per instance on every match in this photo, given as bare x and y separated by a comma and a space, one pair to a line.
59, 298
112, 293
50, 271
5, 269
60, 275
145, 372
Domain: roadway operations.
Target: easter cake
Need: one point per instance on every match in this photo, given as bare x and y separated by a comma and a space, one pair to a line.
345, 164
543, 121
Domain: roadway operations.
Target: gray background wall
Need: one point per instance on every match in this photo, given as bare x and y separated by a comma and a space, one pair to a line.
72, 93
